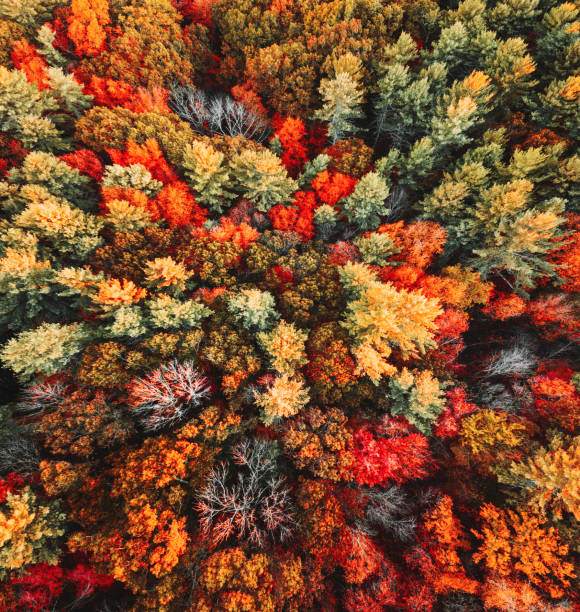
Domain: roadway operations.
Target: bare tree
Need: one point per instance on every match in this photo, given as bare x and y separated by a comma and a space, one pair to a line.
518, 360
167, 394
390, 511
398, 202
250, 502
498, 396
38, 397
217, 114
190, 104
18, 454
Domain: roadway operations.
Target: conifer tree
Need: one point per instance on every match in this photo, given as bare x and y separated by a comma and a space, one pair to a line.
342, 97
207, 175
417, 397
365, 206
45, 349
260, 177
379, 317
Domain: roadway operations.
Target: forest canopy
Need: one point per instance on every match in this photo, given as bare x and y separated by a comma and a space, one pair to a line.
289, 313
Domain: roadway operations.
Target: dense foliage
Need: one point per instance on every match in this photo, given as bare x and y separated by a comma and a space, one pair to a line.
289, 305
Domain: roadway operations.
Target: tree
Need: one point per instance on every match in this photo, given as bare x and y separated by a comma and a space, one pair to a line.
114, 292
331, 367
366, 204
351, 156
359, 556
282, 72
568, 258
56, 176
379, 317
166, 395
118, 93
232, 579
169, 313
67, 231
405, 102
292, 138
225, 349
176, 204
241, 235
218, 114
260, 177
550, 478
319, 441
418, 397
378, 459
18, 455
86, 162
207, 175
513, 595
506, 306
253, 506
160, 535
342, 99
457, 408
514, 542
283, 398
555, 398
285, 347
167, 274
26, 58
27, 286
149, 155
42, 585
82, 423
28, 531
491, 436
330, 187
376, 248
133, 176
28, 14
150, 49
515, 249
253, 309
86, 25
134, 527
515, 220
47, 349
446, 537
68, 92
297, 218
21, 101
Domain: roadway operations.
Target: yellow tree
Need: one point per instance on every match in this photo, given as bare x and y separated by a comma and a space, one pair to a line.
552, 477
285, 397
380, 317
28, 531
285, 345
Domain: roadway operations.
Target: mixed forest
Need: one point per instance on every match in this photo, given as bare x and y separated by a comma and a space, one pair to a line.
289, 313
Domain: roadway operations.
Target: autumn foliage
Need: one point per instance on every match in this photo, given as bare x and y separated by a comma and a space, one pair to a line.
289, 306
